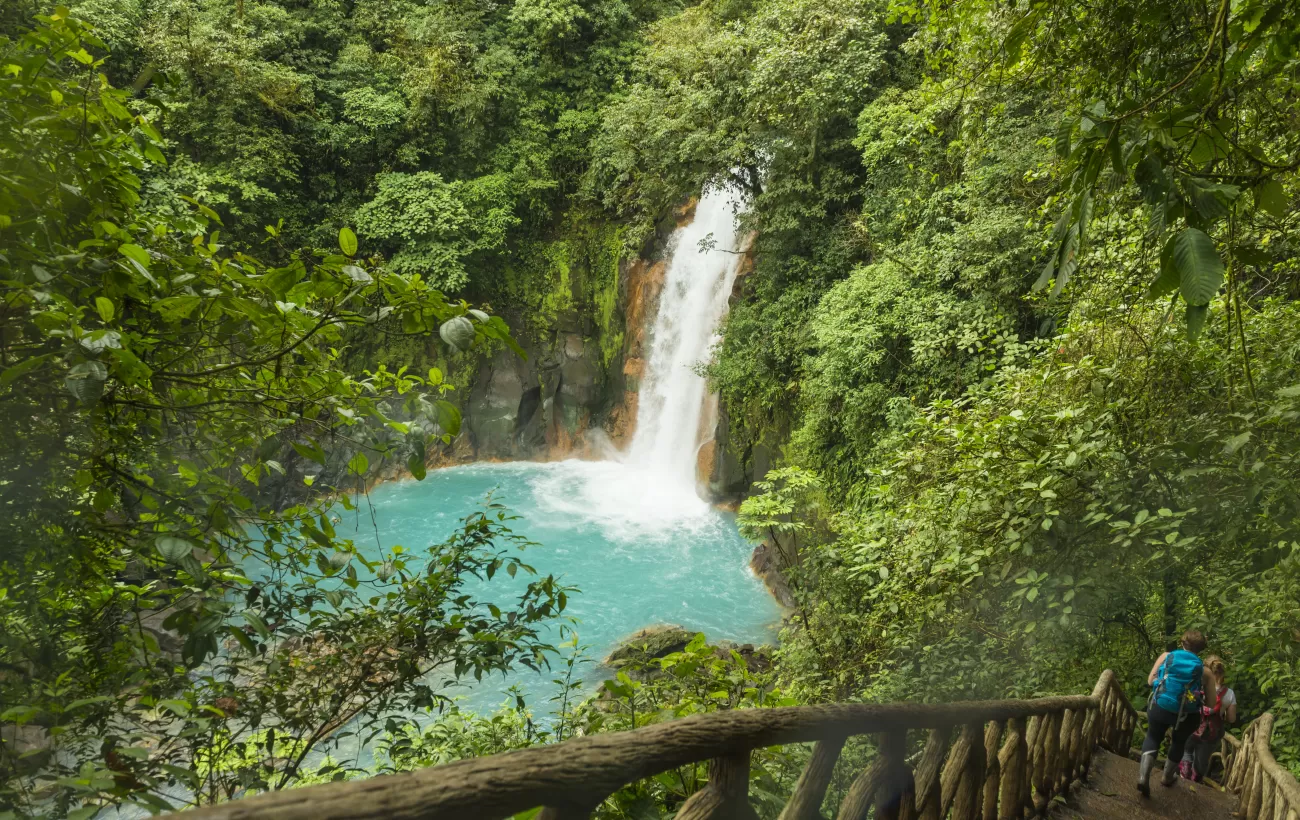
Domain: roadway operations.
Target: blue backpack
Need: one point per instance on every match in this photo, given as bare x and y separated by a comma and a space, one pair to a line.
1178, 686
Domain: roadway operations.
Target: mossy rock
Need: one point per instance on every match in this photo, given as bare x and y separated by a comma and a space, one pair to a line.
649, 643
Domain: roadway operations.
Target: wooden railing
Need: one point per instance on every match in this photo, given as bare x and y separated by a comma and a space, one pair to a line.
979, 760
1266, 791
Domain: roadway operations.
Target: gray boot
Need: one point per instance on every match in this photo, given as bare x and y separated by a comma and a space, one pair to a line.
1171, 772
1144, 772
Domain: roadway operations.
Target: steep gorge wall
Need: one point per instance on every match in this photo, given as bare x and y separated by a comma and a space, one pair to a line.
570, 396
575, 394
728, 465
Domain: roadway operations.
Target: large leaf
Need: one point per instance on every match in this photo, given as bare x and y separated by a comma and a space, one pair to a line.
26, 365
1196, 320
1200, 270
1271, 197
1167, 281
358, 464
174, 549
348, 241
1068, 262
448, 417
136, 254
415, 464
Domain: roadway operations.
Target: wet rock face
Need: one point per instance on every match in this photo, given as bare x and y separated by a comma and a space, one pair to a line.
541, 406
570, 396
641, 284
492, 414
728, 467
731, 467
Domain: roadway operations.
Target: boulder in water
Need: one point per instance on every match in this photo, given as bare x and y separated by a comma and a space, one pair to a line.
649, 643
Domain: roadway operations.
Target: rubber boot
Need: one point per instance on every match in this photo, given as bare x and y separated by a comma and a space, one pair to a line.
1144, 772
1171, 772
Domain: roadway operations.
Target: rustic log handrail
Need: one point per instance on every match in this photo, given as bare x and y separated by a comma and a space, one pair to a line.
1265, 790
1009, 758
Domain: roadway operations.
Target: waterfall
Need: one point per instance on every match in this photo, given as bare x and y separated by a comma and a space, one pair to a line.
672, 399
649, 491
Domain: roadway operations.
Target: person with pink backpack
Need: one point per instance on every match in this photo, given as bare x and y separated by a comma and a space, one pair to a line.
1215, 718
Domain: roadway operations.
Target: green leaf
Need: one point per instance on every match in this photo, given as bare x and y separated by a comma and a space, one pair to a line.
357, 275
1116, 151
1049, 270
174, 308
136, 254
449, 417
280, 280
257, 623
242, 637
1014, 44
1063, 135
310, 450
104, 307
1236, 442
174, 549
348, 241
1167, 280
1200, 270
1271, 198
11, 373
415, 464
358, 464
1196, 320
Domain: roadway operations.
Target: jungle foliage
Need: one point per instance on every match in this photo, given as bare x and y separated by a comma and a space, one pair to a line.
166, 584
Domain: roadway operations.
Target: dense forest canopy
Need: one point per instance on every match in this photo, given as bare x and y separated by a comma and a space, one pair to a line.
1020, 329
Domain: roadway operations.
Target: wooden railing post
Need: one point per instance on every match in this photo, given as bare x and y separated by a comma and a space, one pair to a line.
806, 801
1011, 760
1049, 748
896, 796
952, 771
969, 802
992, 770
1254, 797
856, 804
1070, 722
1265, 790
726, 797
929, 788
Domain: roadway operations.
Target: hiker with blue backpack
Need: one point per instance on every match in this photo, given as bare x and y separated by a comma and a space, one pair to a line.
1180, 684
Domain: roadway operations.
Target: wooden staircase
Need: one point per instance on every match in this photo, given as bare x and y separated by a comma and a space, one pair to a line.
979, 760
1110, 794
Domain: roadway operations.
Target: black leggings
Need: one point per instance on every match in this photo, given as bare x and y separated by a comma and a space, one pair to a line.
1160, 721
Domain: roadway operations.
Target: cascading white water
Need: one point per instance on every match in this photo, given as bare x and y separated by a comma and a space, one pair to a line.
649, 491
694, 299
